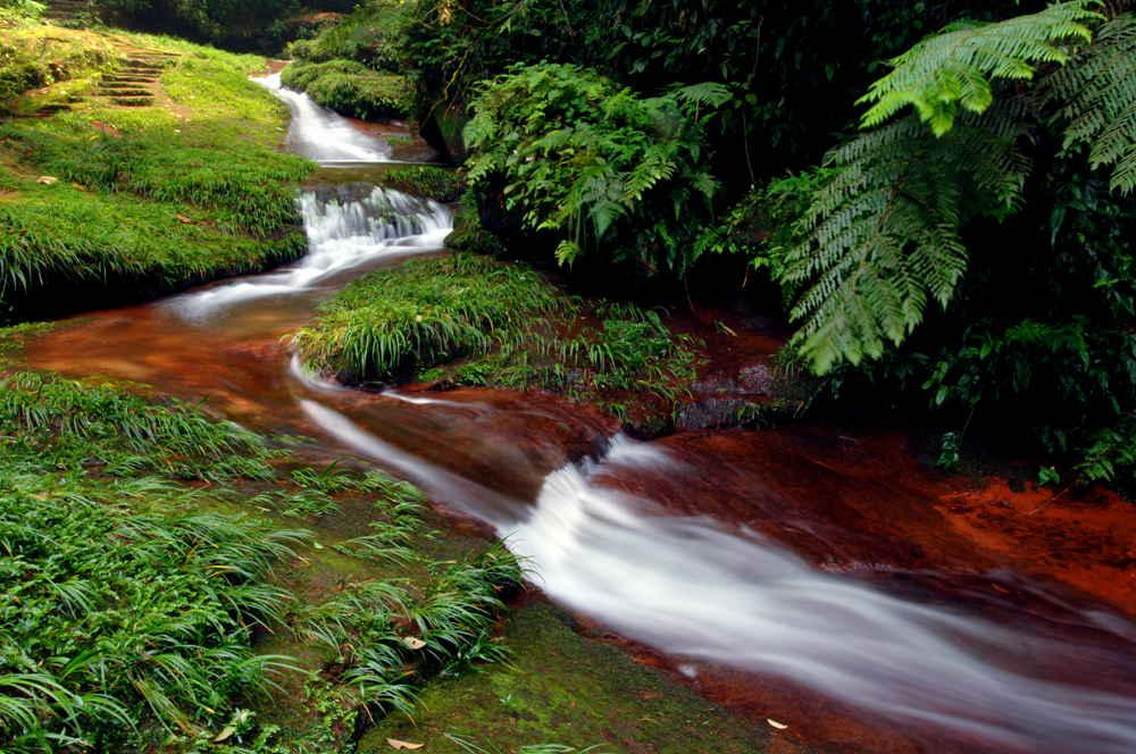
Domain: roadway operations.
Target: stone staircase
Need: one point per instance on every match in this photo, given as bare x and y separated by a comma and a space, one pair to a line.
135, 82
72, 12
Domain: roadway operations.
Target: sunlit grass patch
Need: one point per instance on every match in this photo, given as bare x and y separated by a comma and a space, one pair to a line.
188, 187
475, 321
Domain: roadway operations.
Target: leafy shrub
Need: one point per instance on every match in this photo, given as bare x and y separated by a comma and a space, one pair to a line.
350, 88
601, 170
371, 34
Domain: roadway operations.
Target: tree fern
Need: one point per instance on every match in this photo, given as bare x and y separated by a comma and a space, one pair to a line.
951, 72
1096, 96
881, 237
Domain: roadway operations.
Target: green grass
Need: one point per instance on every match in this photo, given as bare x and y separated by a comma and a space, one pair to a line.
149, 601
505, 326
189, 188
351, 88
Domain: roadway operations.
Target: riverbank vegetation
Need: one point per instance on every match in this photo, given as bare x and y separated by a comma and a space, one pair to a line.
162, 587
470, 320
957, 254
354, 66
136, 164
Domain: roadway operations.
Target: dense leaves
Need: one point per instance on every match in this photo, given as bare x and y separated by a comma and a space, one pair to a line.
595, 166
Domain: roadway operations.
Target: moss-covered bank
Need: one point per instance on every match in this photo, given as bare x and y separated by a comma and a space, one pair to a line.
138, 164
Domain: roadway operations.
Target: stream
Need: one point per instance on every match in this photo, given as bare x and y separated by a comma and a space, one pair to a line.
770, 569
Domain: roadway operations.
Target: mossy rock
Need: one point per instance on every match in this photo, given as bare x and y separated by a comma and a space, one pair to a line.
471, 236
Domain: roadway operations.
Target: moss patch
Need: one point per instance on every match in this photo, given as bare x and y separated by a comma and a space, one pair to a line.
565, 688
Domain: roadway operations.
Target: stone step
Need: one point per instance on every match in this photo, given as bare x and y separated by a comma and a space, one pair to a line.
123, 92
133, 101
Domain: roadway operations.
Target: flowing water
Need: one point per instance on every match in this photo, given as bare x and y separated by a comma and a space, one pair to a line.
736, 555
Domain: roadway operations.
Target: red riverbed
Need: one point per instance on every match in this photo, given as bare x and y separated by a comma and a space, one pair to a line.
855, 505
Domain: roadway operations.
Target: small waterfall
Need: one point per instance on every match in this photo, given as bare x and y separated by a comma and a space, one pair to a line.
320, 134
346, 229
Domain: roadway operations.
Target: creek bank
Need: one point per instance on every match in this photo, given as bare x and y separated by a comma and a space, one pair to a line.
144, 165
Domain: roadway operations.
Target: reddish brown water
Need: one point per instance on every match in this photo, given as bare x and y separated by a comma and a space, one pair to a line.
825, 580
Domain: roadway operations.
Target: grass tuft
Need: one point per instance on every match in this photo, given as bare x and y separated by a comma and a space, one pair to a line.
471, 320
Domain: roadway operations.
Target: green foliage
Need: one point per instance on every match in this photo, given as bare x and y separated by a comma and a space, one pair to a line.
133, 602
422, 314
951, 72
593, 165
387, 643
883, 235
1096, 96
127, 610
509, 327
30, 59
15, 11
371, 34
351, 88
249, 24
440, 184
159, 195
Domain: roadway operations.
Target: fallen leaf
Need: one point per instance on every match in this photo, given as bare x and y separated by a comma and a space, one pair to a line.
183, 219
774, 724
413, 642
225, 734
47, 180
394, 743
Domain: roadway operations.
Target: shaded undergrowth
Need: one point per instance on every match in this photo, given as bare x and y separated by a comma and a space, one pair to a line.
179, 186
168, 582
475, 321
351, 88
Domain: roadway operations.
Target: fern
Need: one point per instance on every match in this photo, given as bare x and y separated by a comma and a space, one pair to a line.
881, 237
593, 166
1096, 96
952, 72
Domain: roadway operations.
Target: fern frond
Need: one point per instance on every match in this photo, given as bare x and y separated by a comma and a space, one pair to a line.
952, 72
881, 238
1096, 96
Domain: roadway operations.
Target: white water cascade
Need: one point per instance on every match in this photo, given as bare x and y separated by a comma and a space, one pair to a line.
343, 234
695, 589
322, 135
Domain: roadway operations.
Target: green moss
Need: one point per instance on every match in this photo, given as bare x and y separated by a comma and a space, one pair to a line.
441, 184
30, 59
562, 687
350, 88
190, 187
